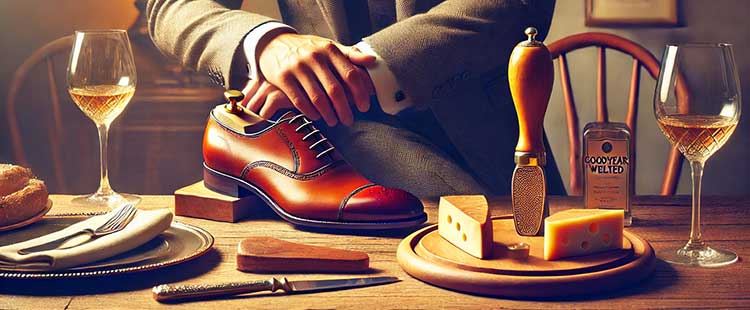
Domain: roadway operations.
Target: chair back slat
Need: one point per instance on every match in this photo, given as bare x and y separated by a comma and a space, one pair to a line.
43, 54
635, 85
571, 115
54, 95
54, 133
672, 172
631, 119
602, 115
642, 58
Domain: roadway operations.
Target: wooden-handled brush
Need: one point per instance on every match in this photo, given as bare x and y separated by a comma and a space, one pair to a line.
530, 75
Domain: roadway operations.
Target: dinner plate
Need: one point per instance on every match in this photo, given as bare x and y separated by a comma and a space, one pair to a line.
35, 218
179, 243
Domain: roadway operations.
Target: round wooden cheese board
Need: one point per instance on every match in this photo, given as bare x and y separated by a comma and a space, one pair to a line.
428, 257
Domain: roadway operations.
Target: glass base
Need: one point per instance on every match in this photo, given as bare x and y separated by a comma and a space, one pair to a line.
110, 200
699, 255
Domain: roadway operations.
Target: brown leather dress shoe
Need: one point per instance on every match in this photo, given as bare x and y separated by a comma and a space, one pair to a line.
294, 169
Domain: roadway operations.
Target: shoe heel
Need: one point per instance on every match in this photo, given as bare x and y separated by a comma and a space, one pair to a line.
221, 184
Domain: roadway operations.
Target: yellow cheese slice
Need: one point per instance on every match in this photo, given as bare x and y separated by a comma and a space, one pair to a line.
581, 232
465, 222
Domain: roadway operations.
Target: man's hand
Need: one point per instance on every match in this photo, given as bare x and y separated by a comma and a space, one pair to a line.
264, 99
319, 77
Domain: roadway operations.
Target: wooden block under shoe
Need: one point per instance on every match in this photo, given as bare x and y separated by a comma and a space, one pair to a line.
266, 254
198, 201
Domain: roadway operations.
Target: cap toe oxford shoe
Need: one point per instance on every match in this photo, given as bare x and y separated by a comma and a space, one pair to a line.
296, 171
379, 203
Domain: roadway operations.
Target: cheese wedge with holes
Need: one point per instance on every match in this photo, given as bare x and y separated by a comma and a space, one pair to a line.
579, 232
465, 222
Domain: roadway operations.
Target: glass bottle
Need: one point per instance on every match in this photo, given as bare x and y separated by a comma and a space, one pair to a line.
608, 167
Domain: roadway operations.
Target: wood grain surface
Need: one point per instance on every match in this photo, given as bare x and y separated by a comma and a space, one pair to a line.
267, 254
662, 221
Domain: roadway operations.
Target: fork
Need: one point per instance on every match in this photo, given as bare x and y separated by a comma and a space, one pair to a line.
120, 218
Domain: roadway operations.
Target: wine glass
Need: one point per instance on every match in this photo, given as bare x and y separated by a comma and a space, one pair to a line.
101, 81
697, 106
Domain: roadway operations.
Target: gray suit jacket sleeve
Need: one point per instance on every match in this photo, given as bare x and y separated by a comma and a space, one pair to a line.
210, 41
432, 54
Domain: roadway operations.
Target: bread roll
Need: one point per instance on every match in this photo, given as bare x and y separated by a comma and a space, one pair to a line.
22, 196
13, 178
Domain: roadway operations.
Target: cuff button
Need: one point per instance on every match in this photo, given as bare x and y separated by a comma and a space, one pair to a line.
399, 96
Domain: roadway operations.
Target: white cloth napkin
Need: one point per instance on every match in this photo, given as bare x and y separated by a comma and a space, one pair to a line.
146, 225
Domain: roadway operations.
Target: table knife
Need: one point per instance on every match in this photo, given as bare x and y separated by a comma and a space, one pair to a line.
168, 292
530, 77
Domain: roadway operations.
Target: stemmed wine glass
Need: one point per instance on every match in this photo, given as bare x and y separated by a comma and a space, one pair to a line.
101, 81
697, 106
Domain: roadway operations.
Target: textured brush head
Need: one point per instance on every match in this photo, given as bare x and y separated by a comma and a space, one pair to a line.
529, 199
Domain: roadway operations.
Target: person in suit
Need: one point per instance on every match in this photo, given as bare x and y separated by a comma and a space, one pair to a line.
441, 119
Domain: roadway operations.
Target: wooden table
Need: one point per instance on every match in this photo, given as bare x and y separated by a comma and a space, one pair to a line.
663, 221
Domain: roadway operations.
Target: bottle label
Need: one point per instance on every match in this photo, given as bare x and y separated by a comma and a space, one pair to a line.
606, 166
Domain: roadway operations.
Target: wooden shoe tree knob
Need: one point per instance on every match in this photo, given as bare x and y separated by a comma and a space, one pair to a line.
530, 76
234, 116
234, 96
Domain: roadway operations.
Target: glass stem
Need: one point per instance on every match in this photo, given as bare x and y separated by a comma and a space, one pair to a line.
695, 226
104, 187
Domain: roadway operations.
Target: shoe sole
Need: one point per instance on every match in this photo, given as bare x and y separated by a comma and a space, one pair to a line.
235, 187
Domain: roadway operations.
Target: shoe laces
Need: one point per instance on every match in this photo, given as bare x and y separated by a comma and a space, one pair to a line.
314, 133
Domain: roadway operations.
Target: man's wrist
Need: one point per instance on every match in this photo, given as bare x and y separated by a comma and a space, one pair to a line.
390, 96
256, 37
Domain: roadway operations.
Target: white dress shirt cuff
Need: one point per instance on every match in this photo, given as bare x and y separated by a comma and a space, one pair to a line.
250, 44
390, 96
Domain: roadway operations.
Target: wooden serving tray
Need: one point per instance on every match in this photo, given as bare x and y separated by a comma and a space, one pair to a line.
428, 257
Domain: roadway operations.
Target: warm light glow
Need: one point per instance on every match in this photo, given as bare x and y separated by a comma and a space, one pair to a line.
669, 61
76, 52
729, 109
124, 81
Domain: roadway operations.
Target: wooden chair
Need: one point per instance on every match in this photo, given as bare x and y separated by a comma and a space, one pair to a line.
641, 58
154, 146
54, 127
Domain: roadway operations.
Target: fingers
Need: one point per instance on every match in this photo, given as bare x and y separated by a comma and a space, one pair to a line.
355, 78
366, 61
255, 103
320, 78
317, 96
275, 101
358, 57
251, 87
297, 96
335, 91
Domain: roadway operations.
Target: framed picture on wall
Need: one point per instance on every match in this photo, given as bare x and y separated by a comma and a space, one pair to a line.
633, 13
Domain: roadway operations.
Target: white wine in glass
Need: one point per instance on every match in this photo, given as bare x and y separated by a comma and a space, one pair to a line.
101, 81
697, 106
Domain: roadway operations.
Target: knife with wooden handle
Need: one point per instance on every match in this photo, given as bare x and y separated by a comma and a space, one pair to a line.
530, 76
167, 292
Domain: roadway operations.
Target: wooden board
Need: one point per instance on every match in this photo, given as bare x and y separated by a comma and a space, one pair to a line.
426, 256
266, 254
437, 249
196, 200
